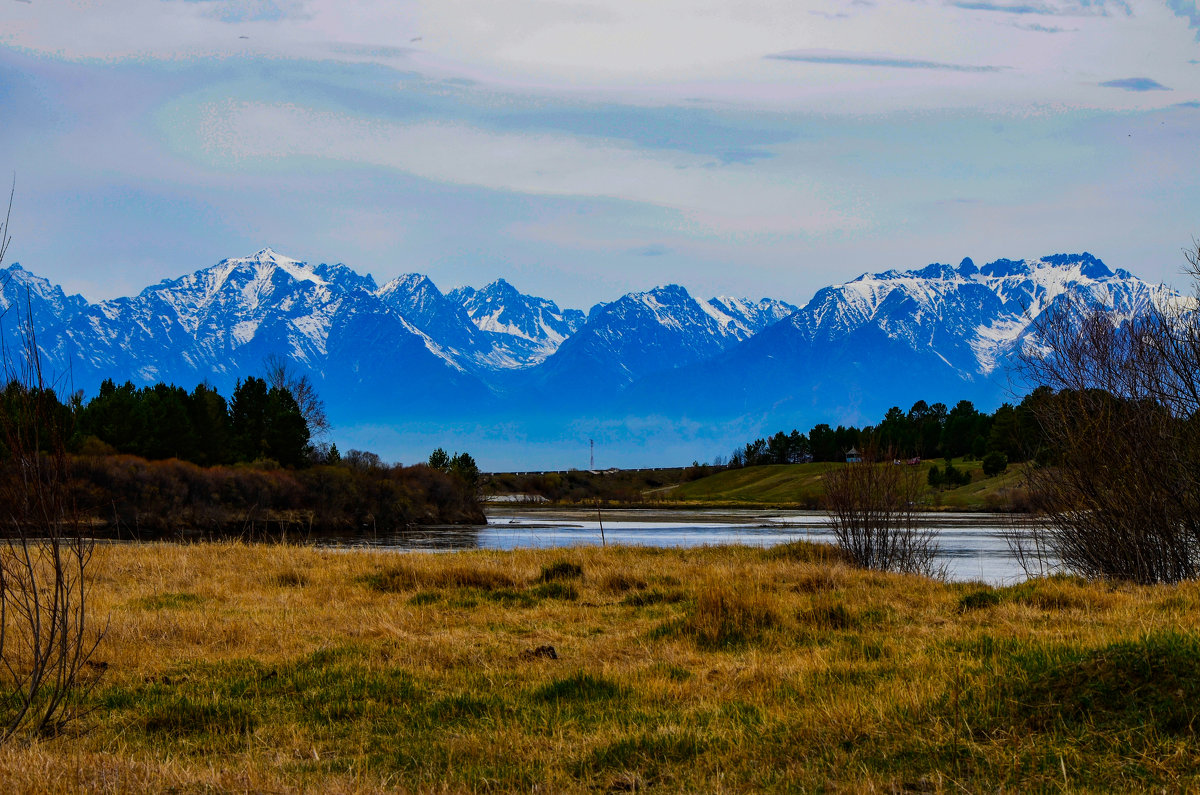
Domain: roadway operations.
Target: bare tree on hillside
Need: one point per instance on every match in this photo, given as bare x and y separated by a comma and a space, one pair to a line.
281, 374
1121, 497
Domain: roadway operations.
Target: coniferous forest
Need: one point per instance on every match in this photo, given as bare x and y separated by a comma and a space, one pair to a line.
159, 460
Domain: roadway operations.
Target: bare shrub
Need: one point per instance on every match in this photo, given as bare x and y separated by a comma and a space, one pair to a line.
281, 374
1121, 496
47, 633
874, 517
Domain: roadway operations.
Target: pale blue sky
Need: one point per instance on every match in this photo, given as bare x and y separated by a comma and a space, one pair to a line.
586, 149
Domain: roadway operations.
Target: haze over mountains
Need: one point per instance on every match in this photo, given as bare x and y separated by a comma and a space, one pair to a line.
656, 377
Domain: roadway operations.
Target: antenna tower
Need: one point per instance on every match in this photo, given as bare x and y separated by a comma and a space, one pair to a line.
591, 454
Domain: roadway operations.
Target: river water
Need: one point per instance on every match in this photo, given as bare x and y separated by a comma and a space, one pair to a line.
972, 545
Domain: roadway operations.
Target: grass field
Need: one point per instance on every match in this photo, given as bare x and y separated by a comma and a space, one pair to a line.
802, 485
233, 668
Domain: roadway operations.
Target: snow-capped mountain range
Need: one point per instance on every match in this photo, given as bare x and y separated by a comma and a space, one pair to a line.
895, 337
406, 351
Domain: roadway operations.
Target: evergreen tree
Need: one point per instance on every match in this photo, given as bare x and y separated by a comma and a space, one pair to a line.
210, 420
285, 431
439, 459
824, 443
464, 467
248, 419
994, 463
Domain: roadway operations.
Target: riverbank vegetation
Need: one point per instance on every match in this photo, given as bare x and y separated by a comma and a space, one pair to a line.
285, 669
1011, 433
159, 461
786, 486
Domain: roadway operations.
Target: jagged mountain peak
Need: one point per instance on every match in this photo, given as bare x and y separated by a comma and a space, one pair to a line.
974, 318
529, 328
744, 317
22, 290
499, 287
1053, 266
415, 286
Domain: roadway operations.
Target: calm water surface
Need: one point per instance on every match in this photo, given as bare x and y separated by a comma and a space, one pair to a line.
972, 545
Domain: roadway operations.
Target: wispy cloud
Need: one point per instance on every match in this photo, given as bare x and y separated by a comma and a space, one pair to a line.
744, 155
1003, 8
886, 61
727, 198
1036, 28
1071, 8
1135, 84
235, 11
1190, 104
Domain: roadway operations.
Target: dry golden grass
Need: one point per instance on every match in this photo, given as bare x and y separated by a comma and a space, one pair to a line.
234, 668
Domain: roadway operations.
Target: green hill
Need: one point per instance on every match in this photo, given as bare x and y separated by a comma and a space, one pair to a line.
802, 485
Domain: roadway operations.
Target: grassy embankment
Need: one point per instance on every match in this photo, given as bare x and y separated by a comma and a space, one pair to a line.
777, 485
791, 485
278, 669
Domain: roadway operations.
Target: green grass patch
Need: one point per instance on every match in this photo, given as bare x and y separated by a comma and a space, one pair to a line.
803, 485
648, 754
561, 570
1148, 688
556, 590
655, 596
185, 716
579, 686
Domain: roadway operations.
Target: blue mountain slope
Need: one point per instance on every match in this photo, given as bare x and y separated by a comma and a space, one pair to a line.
938, 333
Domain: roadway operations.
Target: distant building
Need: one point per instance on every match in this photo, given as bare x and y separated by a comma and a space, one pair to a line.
853, 456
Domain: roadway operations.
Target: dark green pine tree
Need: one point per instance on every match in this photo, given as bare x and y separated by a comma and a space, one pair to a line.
166, 427
248, 419
210, 419
113, 416
286, 431
439, 459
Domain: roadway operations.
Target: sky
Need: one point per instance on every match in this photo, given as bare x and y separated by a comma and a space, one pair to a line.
586, 149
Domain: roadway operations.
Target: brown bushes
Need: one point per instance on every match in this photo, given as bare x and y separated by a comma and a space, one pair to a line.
134, 496
1121, 497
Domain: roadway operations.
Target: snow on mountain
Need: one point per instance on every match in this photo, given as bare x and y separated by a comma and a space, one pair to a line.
525, 327
448, 331
975, 318
405, 349
940, 332
220, 324
643, 333
24, 295
744, 318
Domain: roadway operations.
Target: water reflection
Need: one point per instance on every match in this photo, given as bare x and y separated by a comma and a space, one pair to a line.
973, 546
